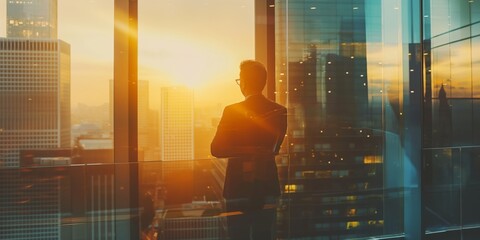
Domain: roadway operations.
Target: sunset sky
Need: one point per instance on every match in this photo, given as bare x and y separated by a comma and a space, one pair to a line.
194, 43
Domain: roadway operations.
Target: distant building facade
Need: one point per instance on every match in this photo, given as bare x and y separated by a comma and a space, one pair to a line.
176, 124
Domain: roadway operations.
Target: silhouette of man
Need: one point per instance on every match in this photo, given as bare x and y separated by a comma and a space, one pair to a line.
249, 135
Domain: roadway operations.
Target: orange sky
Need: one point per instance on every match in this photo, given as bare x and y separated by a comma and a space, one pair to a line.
196, 43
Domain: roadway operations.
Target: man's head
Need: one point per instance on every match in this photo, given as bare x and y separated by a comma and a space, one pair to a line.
253, 77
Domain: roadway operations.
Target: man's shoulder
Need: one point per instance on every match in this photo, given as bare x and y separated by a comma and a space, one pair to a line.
260, 99
233, 106
276, 106
279, 106
255, 103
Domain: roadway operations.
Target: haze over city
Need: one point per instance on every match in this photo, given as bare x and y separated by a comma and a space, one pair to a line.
180, 43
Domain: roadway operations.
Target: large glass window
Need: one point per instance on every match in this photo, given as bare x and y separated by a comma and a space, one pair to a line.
343, 68
189, 56
451, 113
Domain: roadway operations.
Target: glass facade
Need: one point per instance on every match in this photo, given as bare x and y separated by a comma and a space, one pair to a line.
451, 152
342, 68
383, 100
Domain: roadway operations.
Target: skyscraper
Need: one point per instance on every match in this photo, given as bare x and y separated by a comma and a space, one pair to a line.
32, 19
35, 96
34, 114
34, 82
176, 123
177, 143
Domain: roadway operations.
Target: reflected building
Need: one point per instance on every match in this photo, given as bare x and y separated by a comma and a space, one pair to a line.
451, 117
30, 204
444, 137
333, 178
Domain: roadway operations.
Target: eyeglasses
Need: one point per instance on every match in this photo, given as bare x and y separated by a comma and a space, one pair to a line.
238, 81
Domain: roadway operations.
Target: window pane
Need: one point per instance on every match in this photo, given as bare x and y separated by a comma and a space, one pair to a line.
189, 56
342, 67
88, 27
450, 119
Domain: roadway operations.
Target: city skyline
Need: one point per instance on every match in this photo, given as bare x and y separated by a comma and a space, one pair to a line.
212, 50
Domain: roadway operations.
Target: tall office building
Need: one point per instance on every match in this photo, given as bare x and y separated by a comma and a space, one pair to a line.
177, 143
34, 82
176, 123
34, 114
35, 96
32, 19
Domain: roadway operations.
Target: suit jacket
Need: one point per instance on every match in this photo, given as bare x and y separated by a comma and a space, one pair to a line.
249, 135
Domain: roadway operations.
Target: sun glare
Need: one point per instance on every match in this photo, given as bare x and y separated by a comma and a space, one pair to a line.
183, 62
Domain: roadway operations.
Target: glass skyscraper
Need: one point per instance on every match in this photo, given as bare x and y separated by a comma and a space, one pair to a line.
32, 19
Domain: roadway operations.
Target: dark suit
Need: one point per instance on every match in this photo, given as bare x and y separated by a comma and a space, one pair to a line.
249, 135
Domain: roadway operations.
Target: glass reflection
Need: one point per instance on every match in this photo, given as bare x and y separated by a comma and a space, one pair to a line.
451, 104
339, 70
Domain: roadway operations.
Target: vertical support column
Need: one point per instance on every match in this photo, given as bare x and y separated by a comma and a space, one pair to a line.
265, 41
413, 105
413, 206
125, 120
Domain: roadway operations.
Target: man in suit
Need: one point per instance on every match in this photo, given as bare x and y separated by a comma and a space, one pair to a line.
249, 135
